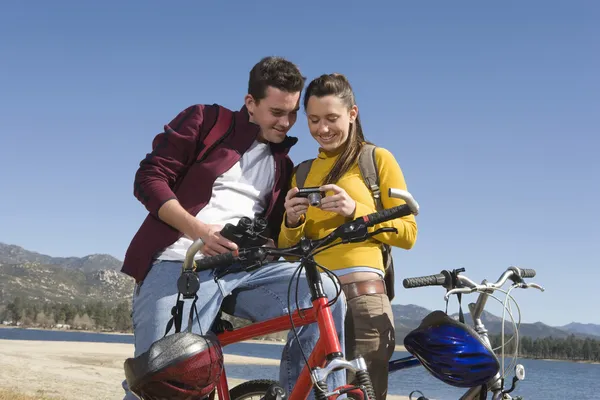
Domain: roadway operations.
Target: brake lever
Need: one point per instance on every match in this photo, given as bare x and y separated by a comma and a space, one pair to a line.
382, 230
366, 234
465, 290
532, 285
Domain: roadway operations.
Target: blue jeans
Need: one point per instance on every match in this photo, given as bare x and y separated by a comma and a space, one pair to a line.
260, 295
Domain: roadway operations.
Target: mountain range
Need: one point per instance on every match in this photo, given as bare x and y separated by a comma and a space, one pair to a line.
40, 277
11, 254
97, 277
408, 317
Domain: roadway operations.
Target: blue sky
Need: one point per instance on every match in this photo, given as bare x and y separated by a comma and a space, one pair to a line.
492, 111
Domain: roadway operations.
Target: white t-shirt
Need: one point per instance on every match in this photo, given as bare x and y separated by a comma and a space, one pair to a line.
242, 191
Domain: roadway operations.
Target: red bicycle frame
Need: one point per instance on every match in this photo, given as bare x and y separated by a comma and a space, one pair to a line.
327, 345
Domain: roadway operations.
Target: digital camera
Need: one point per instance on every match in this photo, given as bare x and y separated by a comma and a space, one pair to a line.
313, 194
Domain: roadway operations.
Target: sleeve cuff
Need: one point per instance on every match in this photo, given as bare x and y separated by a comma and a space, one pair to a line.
292, 234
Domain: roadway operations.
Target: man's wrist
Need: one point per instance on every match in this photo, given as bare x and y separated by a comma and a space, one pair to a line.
198, 229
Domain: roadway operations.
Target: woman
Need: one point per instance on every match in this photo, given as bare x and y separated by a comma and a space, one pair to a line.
334, 123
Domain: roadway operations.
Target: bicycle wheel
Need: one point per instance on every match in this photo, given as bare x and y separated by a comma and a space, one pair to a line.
251, 389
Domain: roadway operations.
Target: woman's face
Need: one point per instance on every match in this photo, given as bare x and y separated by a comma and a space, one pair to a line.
329, 121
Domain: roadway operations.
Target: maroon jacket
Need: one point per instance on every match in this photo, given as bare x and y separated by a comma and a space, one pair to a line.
173, 171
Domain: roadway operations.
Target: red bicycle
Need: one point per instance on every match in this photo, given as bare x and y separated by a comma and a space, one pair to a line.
327, 355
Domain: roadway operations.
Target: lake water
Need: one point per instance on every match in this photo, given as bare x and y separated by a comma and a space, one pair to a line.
547, 380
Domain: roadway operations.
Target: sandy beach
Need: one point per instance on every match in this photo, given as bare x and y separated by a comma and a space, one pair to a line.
78, 370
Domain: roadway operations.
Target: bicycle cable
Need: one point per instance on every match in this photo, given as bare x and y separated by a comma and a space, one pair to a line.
298, 272
515, 326
336, 282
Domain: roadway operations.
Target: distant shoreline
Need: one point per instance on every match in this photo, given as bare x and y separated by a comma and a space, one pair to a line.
36, 328
566, 360
259, 341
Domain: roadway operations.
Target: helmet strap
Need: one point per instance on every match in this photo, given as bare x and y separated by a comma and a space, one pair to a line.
176, 313
177, 316
461, 316
454, 275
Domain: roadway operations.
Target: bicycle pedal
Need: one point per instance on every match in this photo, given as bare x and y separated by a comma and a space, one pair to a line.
275, 392
221, 326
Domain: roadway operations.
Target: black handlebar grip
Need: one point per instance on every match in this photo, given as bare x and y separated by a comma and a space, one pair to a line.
220, 260
388, 214
527, 273
430, 280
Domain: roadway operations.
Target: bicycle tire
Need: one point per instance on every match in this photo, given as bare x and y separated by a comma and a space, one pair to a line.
250, 388
258, 387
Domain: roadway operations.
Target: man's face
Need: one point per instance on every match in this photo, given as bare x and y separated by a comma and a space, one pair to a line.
275, 114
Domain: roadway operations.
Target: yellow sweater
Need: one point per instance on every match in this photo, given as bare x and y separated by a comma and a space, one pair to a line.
318, 223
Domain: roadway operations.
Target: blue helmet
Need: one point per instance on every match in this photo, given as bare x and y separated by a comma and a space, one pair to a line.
452, 351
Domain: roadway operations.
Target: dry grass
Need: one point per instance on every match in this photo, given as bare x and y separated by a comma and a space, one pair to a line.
6, 394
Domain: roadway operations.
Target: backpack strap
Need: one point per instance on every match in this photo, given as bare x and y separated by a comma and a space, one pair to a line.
302, 171
369, 172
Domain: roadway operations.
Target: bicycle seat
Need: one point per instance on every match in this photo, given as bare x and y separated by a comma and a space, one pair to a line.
231, 322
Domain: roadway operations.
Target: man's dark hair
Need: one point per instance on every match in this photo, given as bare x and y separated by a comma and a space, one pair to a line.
276, 72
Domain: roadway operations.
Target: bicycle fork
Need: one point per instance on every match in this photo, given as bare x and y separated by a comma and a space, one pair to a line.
362, 390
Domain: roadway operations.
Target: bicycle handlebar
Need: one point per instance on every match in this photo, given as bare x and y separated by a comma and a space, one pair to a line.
411, 207
465, 285
406, 196
428, 280
527, 273
353, 231
216, 261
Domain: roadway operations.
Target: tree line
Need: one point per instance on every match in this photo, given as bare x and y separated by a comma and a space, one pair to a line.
96, 315
571, 348
101, 316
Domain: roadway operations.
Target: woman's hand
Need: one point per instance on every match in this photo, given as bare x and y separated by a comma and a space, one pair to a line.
340, 202
295, 208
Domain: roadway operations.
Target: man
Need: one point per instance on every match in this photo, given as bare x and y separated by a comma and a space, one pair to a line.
245, 173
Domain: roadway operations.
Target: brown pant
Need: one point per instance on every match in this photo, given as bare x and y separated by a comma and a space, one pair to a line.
370, 333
